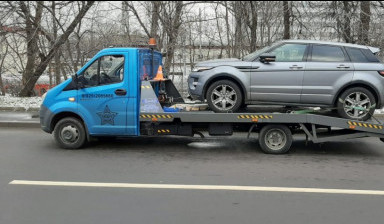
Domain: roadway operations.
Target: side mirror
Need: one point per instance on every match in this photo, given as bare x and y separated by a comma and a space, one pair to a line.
79, 81
80, 85
267, 58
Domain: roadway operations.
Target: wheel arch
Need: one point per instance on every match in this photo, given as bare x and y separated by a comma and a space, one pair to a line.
368, 86
225, 76
65, 114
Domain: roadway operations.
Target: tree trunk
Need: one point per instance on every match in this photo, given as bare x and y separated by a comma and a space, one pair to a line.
365, 17
346, 25
228, 48
252, 24
172, 32
57, 55
40, 68
32, 40
287, 17
1, 70
155, 18
238, 29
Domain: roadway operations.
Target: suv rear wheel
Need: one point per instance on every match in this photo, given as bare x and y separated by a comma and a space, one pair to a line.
224, 96
356, 103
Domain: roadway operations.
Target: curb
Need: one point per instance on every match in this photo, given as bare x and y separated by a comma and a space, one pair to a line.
20, 109
19, 124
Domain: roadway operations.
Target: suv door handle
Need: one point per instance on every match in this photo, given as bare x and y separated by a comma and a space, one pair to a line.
342, 66
295, 67
121, 92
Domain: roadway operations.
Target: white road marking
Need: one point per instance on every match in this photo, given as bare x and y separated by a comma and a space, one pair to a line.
198, 187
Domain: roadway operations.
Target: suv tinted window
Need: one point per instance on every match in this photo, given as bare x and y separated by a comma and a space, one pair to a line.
356, 55
290, 52
324, 53
370, 56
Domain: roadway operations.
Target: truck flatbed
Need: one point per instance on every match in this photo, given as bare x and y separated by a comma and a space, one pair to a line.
318, 127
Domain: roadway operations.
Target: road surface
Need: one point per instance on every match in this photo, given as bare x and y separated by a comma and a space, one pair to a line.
188, 180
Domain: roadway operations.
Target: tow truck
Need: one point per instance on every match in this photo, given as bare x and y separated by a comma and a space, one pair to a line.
128, 100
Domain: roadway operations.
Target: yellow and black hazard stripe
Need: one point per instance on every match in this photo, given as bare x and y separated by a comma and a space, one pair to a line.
150, 116
163, 131
365, 125
146, 86
255, 117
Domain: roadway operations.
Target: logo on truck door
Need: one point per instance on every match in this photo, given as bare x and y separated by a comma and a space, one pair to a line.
107, 116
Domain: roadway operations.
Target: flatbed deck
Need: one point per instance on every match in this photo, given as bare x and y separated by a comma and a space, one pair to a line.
318, 127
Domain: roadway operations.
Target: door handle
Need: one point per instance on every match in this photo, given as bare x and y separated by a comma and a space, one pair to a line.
121, 92
342, 66
295, 67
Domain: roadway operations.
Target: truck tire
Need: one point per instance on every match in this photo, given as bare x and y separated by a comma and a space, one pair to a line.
275, 139
70, 133
224, 96
357, 97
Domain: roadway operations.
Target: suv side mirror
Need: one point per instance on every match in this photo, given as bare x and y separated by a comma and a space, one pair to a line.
267, 57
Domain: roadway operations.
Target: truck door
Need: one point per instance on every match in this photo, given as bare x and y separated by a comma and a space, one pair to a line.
105, 101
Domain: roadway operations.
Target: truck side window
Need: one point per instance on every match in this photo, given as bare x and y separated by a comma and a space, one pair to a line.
106, 70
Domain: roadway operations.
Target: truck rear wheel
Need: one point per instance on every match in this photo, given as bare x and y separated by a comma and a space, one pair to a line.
70, 133
275, 139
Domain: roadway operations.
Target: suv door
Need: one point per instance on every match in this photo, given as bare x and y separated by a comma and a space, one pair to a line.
328, 69
280, 81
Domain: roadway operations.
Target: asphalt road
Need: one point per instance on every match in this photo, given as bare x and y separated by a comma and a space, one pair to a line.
30, 154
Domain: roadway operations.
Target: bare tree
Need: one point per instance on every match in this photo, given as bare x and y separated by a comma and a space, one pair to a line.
33, 25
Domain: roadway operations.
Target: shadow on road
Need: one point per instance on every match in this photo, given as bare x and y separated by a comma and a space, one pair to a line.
370, 147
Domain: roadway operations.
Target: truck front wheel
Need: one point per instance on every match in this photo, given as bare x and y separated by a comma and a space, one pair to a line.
275, 139
70, 133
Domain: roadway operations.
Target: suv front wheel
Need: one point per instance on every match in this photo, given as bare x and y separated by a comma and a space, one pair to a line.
356, 103
224, 96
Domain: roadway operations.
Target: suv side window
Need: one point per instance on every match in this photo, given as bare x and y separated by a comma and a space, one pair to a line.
326, 53
106, 70
356, 55
290, 52
370, 56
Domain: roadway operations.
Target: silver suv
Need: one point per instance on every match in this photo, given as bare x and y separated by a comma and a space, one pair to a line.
346, 77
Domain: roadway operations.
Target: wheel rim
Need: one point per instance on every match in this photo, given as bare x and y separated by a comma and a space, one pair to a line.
275, 139
69, 134
224, 97
357, 105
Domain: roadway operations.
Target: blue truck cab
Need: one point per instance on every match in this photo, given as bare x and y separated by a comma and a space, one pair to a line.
102, 99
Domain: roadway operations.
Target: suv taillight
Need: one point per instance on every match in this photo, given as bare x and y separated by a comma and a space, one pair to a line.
381, 73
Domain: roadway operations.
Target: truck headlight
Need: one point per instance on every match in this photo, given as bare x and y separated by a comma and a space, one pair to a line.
200, 69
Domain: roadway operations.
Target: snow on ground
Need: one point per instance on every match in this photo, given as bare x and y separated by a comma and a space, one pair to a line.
8, 101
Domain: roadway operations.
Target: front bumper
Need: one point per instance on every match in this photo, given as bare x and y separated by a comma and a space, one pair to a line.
196, 84
46, 117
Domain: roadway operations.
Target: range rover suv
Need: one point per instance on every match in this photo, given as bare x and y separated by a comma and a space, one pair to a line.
346, 77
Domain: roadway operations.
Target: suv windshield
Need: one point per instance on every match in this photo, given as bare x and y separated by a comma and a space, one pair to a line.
252, 56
